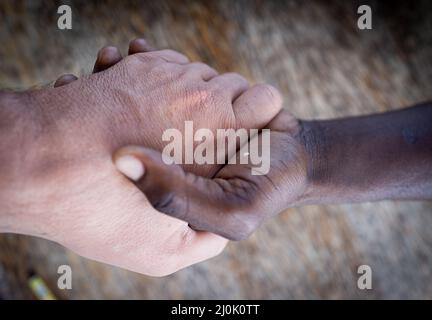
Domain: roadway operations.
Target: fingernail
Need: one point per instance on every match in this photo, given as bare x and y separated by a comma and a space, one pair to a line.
130, 166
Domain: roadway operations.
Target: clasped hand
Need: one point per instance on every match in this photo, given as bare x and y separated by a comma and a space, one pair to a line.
83, 130
82, 163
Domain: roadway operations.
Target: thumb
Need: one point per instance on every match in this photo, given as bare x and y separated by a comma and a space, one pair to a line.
213, 205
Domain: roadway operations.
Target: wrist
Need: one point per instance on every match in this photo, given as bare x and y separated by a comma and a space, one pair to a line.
20, 132
317, 142
354, 159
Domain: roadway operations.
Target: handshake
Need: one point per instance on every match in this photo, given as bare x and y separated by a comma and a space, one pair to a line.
152, 162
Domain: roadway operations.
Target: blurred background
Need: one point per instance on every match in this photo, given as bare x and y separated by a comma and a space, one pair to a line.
325, 67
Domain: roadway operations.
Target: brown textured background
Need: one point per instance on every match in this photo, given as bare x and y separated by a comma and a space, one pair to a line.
325, 67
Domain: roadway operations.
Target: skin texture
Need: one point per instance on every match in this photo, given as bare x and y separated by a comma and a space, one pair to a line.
368, 158
58, 179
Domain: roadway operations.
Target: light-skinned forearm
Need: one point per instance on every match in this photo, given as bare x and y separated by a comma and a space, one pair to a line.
17, 126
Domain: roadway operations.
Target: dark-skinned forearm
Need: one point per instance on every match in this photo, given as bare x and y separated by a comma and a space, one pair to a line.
369, 158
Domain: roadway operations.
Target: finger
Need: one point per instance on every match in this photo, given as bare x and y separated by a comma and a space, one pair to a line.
107, 57
201, 70
256, 107
231, 83
64, 79
214, 205
139, 45
169, 56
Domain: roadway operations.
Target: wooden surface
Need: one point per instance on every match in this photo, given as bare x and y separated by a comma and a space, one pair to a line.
325, 67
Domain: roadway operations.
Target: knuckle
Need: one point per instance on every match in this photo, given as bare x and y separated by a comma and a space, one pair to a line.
178, 243
143, 58
203, 96
167, 198
162, 68
165, 203
191, 68
170, 257
163, 73
168, 54
138, 61
234, 75
167, 51
170, 204
271, 93
195, 65
199, 66
186, 237
239, 78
